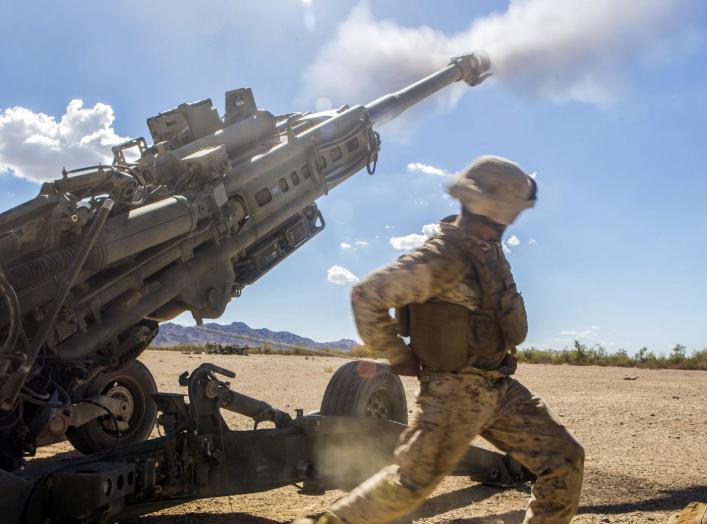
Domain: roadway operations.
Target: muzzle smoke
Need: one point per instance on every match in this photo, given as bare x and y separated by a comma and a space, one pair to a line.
579, 50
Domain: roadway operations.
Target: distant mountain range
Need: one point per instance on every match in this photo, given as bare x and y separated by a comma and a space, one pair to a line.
173, 335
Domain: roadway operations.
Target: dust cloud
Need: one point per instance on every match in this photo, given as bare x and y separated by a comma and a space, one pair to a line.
580, 50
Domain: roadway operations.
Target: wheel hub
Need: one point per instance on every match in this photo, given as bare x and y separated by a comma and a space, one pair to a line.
379, 405
127, 404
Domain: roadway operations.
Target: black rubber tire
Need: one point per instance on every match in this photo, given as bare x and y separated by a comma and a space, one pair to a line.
137, 379
357, 384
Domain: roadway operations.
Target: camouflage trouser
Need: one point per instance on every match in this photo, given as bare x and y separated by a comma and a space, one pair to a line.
453, 408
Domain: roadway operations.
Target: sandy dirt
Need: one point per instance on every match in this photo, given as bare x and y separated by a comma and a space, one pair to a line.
645, 440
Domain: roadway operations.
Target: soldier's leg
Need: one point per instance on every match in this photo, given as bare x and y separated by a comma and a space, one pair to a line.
452, 409
525, 428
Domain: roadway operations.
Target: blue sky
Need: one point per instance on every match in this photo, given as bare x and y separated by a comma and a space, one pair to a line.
613, 253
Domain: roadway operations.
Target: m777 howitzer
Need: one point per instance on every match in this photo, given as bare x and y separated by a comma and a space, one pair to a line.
93, 264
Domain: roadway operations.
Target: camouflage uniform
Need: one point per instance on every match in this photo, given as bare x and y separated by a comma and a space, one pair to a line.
455, 407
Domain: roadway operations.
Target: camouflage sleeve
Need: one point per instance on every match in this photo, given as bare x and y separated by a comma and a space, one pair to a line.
414, 278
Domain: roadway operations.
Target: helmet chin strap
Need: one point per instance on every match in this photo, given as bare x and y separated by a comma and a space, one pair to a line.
498, 228
480, 225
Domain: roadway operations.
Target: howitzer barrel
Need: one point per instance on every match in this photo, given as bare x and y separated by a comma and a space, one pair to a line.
473, 68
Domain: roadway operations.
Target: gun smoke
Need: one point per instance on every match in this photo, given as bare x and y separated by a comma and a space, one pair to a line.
583, 50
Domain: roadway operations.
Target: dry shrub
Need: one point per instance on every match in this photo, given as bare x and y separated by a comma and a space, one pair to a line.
579, 355
583, 355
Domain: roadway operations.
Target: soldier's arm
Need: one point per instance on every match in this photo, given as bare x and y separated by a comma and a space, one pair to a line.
413, 278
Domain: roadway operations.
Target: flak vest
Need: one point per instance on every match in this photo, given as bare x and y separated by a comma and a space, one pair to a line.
448, 337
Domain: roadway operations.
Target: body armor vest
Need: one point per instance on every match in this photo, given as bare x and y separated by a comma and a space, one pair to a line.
447, 337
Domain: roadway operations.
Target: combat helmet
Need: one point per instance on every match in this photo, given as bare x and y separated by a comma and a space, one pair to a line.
495, 187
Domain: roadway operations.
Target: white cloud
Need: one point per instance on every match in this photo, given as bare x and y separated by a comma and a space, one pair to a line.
36, 146
353, 246
430, 230
410, 241
532, 242
563, 51
341, 276
414, 239
512, 242
419, 167
590, 333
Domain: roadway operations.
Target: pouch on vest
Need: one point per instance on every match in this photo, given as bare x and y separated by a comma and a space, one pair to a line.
499, 293
439, 335
486, 343
513, 318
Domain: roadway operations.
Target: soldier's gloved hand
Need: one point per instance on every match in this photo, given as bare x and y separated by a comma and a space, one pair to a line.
410, 367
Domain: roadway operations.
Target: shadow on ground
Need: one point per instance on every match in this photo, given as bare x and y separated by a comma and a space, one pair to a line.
455, 500
509, 517
202, 518
650, 497
647, 497
665, 500
463, 498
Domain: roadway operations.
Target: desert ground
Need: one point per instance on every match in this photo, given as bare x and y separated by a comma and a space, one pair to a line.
645, 440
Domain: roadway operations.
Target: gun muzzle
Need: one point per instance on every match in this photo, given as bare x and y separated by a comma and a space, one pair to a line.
472, 68
475, 67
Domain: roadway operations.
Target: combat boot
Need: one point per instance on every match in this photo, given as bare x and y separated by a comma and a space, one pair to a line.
693, 513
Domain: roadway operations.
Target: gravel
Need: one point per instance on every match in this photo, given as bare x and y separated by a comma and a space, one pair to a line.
645, 440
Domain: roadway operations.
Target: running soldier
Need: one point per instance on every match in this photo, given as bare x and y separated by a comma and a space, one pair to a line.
456, 298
